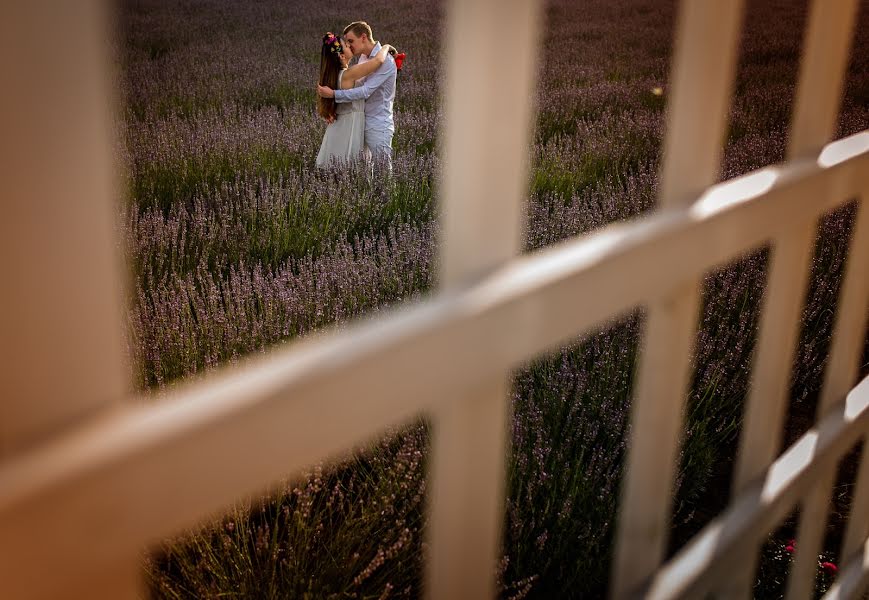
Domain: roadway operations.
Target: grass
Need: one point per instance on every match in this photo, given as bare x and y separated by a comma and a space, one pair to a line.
271, 220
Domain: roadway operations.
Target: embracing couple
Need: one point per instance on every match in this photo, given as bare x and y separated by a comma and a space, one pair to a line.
356, 101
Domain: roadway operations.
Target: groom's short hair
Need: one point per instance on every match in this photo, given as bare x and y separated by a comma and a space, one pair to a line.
358, 28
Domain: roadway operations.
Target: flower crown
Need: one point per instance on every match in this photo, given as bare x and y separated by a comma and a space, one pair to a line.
333, 42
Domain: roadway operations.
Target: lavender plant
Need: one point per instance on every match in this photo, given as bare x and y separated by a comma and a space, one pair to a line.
237, 243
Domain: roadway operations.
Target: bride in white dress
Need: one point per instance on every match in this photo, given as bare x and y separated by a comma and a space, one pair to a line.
344, 137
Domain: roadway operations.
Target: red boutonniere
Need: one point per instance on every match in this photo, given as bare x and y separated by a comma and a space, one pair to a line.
399, 58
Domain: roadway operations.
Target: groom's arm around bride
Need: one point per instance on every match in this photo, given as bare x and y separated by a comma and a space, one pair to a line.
378, 92
385, 75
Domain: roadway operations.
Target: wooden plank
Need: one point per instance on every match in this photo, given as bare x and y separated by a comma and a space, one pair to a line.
703, 70
272, 415
827, 45
484, 184
467, 496
842, 368
61, 308
810, 536
783, 303
706, 44
763, 424
61, 321
644, 520
844, 359
485, 152
120, 580
709, 560
816, 107
822, 73
853, 578
858, 520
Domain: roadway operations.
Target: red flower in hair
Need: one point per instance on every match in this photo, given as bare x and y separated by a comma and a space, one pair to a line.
830, 568
399, 58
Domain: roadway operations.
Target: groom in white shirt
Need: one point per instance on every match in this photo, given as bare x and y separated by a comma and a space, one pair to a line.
378, 91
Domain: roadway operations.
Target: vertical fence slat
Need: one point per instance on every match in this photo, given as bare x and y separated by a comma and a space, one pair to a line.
703, 70
60, 321
855, 548
484, 183
485, 172
704, 64
657, 419
858, 520
776, 346
813, 514
822, 73
814, 115
468, 475
843, 363
120, 582
827, 44
60, 309
852, 581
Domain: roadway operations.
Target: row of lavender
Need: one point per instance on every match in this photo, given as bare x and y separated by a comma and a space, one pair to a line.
237, 243
570, 409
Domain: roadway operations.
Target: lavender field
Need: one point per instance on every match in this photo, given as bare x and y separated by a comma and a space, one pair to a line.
237, 243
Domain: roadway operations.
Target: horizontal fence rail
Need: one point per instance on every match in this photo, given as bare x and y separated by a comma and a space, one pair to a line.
486, 161
708, 560
296, 406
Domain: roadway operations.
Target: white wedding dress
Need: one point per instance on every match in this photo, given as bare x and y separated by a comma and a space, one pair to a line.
345, 136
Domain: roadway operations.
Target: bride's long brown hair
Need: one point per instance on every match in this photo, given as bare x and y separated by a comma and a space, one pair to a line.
330, 66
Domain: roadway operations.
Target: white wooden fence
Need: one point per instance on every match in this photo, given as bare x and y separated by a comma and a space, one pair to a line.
89, 478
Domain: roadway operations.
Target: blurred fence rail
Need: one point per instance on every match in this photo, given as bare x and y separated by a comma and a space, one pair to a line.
87, 480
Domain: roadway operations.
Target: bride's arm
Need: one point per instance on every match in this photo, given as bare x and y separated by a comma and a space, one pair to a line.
357, 72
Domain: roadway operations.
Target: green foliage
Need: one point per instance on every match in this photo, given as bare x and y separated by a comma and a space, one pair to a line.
321, 536
554, 180
162, 186
281, 95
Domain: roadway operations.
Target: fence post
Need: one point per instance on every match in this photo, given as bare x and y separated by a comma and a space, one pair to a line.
61, 318
822, 73
845, 352
822, 68
486, 150
704, 63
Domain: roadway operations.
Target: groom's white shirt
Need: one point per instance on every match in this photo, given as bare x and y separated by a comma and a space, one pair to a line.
378, 91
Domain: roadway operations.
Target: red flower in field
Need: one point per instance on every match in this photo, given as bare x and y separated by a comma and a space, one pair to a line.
399, 58
830, 568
